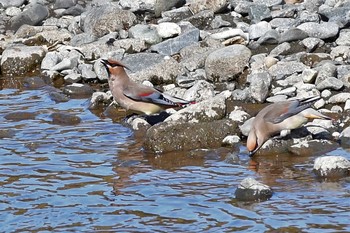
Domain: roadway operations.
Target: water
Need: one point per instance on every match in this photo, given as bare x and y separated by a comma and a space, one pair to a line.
94, 177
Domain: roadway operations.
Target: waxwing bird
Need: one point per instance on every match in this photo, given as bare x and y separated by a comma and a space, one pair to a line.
134, 96
274, 118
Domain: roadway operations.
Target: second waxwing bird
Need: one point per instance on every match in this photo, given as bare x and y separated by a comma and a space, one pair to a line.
134, 96
274, 118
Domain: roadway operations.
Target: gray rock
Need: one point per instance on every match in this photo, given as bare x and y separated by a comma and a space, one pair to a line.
331, 166
66, 64
325, 71
177, 14
77, 90
160, 137
320, 30
200, 5
345, 137
344, 37
330, 83
87, 71
280, 49
168, 29
205, 111
283, 69
100, 20
131, 45
145, 32
58, 97
201, 90
259, 12
11, 3
259, 29
312, 43
12, 11
76, 10
153, 67
189, 36
292, 34
339, 14
193, 56
64, 4
241, 7
226, 63
259, 85
218, 22
339, 98
21, 59
202, 19
34, 15
72, 77
269, 37
164, 5
240, 94
138, 124
65, 119
305, 147
239, 116
99, 98
309, 75
82, 38
282, 22
268, 3
50, 60
251, 190
307, 16
229, 33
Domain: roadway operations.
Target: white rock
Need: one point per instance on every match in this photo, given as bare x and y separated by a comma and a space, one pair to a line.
168, 29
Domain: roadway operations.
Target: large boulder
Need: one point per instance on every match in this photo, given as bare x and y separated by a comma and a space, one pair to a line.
152, 67
103, 19
21, 59
227, 63
172, 136
34, 15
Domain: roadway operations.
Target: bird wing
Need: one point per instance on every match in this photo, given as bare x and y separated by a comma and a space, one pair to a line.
281, 111
147, 94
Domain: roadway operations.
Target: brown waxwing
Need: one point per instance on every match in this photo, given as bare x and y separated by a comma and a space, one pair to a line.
134, 96
274, 118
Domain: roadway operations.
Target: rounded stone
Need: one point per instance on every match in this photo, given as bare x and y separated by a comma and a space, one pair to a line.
251, 190
331, 166
227, 63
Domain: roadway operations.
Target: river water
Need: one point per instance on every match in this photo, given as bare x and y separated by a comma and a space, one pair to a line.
95, 177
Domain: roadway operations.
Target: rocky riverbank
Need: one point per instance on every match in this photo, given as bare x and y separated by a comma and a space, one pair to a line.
230, 56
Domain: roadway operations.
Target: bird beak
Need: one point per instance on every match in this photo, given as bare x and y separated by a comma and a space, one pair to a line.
104, 62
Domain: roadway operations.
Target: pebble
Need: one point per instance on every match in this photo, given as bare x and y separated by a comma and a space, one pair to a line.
251, 190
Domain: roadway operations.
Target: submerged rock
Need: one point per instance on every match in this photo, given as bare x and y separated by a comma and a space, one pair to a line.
20, 116
251, 190
331, 166
64, 119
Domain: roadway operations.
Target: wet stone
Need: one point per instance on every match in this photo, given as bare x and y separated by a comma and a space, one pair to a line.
345, 137
34, 82
58, 97
7, 133
331, 167
78, 90
20, 116
160, 137
304, 147
251, 190
64, 119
